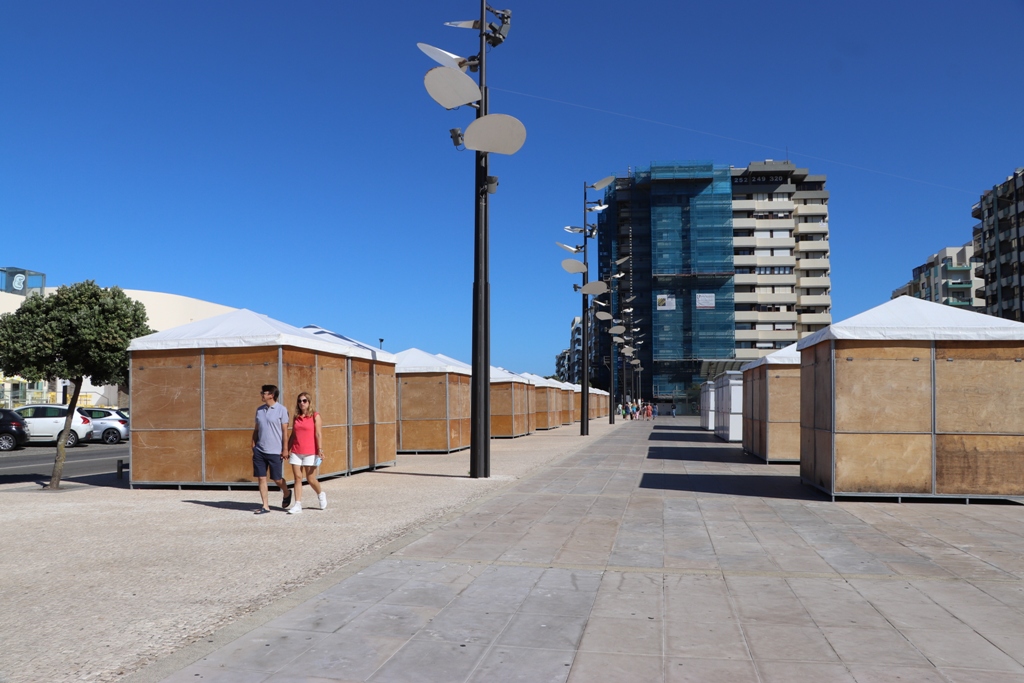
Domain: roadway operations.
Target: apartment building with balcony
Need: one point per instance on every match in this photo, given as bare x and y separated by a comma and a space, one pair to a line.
999, 246
569, 363
725, 265
947, 277
781, 256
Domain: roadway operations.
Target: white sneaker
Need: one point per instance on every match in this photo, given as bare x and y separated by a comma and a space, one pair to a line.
295, 509
323, 500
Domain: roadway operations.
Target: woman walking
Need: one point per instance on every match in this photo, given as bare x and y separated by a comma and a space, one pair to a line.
306, 450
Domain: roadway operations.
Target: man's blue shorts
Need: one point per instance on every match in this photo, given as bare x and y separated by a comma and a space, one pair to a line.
261, 462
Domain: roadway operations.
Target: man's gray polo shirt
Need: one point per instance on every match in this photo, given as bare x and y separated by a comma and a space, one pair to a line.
269, 421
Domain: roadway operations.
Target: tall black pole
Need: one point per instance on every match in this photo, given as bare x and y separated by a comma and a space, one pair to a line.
611, 394
480, 386
585, 393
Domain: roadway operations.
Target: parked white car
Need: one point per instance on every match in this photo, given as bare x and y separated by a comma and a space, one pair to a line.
46, 421
108, 425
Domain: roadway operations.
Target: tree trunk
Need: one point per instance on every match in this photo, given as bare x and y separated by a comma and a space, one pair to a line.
62, 438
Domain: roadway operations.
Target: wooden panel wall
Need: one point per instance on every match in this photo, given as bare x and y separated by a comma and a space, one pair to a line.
361, 392
424, 425
883, 463
971, 464
165, 390
979, 387
233, 378
780, 439
880, 387
166, 456
531, 408
332, 377
424, 396
229, 456
808, 382
299, 375
783, 441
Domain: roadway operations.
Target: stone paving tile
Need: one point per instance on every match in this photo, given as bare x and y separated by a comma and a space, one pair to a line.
389, 621
550, 631
895, 674
524, 665
881, 646
344, 656
216, 675
769, 642
980, 676
263, 649
465, 626
589, 667
710, 671
705, 640
429, 662
803, 672
961, 649
627, 636
322, 613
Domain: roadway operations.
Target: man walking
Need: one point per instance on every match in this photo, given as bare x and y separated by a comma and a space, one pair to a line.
270, 447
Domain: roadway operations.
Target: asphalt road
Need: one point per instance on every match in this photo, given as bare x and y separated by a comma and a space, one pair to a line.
35, 462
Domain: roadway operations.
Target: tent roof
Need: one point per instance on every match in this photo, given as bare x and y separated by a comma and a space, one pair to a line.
414, 360
542, 381
375, 353
497, 374
787, 355
242, 328
907, 317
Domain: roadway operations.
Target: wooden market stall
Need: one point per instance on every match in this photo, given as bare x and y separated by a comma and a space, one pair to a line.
771, 406
547, 406
913, 398
195, 390
433, 403
510, 404
569, 404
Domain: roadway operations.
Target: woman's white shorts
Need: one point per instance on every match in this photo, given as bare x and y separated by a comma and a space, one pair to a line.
304, 460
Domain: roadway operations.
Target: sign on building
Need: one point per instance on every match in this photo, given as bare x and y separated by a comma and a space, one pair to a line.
705, 301
666, 302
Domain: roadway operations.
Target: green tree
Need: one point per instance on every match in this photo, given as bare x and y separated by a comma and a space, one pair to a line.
80, 331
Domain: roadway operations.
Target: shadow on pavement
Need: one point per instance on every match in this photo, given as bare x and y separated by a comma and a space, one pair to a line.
43, 478
760, 486
691, 437
682, 428
424, 474
229, 504
37, 478
699, 454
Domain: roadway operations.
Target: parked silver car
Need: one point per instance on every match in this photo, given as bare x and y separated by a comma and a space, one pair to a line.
108, 425
46, 421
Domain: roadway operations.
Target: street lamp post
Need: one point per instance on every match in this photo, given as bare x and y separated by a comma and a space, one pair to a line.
450, 87
597, 287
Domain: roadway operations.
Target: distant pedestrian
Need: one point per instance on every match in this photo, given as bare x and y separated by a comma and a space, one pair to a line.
270, 447
654, 412
673, 410
306, 450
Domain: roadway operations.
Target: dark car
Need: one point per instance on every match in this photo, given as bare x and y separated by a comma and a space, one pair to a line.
13, 430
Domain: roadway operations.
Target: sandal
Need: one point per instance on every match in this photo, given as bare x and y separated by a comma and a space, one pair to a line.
262, 511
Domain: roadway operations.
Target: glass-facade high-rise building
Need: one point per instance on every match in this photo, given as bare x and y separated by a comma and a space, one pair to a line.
724, 265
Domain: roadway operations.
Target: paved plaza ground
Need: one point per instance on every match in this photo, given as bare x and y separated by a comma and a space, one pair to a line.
657, 553
649, 551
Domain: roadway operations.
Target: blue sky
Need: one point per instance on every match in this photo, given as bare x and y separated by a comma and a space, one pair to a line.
285, 157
